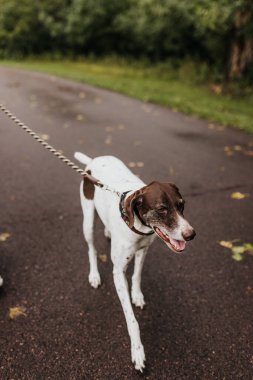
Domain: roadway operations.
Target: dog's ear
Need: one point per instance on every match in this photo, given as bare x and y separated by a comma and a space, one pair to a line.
132, 201
88, 187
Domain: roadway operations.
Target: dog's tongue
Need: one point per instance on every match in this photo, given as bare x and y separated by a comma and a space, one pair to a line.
178, 244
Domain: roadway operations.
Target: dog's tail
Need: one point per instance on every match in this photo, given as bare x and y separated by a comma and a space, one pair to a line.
82, 158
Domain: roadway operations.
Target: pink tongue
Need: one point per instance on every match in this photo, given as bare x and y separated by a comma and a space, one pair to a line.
179, 244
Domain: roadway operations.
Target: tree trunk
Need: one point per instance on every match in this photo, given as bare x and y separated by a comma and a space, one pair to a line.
241, 53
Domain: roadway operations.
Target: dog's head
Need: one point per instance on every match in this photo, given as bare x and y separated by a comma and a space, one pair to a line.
161, 206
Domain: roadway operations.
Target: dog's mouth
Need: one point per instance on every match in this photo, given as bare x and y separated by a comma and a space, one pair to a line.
173, 244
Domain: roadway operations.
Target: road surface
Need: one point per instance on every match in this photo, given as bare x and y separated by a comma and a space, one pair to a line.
197, 323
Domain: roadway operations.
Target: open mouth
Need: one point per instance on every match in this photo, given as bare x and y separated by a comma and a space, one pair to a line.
175, 245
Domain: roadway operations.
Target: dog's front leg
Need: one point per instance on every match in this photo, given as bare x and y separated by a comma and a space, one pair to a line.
137, 295
120, 281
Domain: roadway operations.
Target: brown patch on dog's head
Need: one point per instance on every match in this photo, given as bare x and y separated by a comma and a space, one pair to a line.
160, 206
151, 201
88, 187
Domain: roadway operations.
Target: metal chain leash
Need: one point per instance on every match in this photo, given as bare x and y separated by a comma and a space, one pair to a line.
56, 153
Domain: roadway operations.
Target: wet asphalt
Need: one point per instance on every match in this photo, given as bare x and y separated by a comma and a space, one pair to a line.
197, 322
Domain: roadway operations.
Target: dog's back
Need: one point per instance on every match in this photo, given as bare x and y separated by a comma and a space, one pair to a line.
112, 171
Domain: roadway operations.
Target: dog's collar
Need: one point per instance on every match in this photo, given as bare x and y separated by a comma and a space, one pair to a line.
125, 217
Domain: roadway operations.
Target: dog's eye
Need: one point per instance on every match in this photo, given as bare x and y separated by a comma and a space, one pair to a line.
162, 209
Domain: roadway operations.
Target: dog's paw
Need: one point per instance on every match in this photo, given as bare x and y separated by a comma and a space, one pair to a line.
138, 299
138, 357
94, 280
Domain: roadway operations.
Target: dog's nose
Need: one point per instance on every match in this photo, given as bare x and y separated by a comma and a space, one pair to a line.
189, 234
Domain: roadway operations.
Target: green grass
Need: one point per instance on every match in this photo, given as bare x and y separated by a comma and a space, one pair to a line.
156, 84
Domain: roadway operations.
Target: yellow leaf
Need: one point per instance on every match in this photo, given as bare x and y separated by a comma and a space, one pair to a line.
226, 244
4, 236
15, 312
108, 140
238, 195
237, 148
103, 258
82, 95
109, 129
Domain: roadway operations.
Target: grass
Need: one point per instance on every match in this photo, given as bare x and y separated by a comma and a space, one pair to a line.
156, 84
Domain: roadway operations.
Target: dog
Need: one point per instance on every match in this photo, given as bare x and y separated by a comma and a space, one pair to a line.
131, 222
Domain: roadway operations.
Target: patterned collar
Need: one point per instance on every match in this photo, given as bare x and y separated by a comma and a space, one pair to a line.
125, 217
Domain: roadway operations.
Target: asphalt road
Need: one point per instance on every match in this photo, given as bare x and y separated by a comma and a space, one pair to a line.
197, 323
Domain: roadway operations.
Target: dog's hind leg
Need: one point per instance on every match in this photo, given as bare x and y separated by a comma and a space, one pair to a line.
88, 208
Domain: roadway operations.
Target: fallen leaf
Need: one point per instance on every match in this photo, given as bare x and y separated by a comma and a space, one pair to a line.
237, 147
140, 164
237, 257
103, 258
248, 247
98, 100
238, 195
82, 95
131, 164
15, 312
121, 127
171, 170
108, 129
237, 253
4, 236
249, 290
79, 117
226, 244
108, 140
238, 250
248, 153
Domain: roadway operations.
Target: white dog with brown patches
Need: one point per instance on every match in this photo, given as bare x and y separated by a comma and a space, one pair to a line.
131, 223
